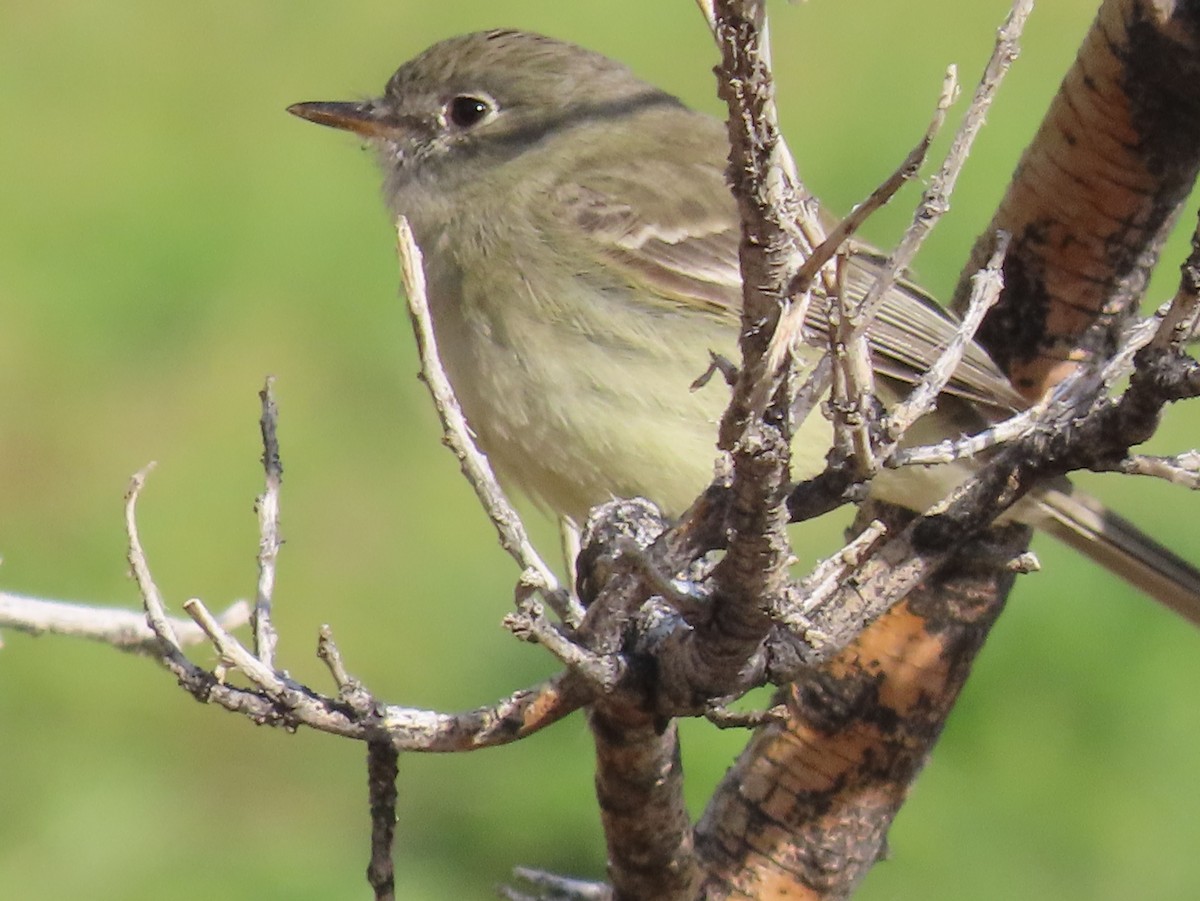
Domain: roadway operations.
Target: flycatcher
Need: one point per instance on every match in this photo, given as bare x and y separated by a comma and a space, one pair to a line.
581, 252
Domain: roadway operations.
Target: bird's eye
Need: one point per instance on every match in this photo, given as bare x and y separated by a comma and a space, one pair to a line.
467, 110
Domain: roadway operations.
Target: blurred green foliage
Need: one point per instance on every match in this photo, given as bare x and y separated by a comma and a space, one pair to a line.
168, 236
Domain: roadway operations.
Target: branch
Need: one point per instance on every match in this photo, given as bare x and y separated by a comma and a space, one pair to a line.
267, 506
753, 573
274, 698
382, 770
986, 286
457, 434
806, 810
1181, 469
936, 200
125, 630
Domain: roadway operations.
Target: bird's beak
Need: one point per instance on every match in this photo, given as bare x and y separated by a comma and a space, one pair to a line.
361, 118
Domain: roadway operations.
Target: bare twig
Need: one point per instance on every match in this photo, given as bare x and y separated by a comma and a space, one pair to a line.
382, 769
936, 200
475, 467
1181, 469
328, 653
1179, 323
791, 324
934, 203
233, 653
125, 630
829, 574
529, 622
852, 394
549, 887
904, 173
724, 718
267, 505
985, 291
950, 450
156, 614
510, 719
277, 700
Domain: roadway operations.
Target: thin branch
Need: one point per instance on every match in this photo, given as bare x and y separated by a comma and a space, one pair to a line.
936, 201
457, 432
156, 614
724, 718
1179, 323
125, 630
852, 393
549, 887
519, 715
933, 205
986, 286
382, 769
276, 700
829, 575
953, 449
904, 173
233, 653
789, 334
267, 505
1181, 469
530, 623
328, 653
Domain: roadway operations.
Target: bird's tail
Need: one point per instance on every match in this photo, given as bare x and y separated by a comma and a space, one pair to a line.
1083, 523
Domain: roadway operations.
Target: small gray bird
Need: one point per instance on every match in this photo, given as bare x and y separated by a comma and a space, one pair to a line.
581, 250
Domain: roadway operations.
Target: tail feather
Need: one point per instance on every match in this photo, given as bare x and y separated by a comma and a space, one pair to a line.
1086, 525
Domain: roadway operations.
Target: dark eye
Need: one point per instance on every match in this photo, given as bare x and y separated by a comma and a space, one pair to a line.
466, 110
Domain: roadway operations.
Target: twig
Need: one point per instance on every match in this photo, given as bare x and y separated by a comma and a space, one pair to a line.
234, 653
904, 173
791, 325
125, 630
550, 887
986, 286
852, 393
828, 575
1181, 469
267, 504
328, 653
475, 467
936, 200
950, 450
510, 719
724, 718
1179, 323
156, 614
529, 622
382, 769
277, 700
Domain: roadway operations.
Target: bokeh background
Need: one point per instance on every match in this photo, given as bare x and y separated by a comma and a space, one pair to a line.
169, 236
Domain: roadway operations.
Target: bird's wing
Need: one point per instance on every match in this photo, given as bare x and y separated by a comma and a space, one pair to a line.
693, 262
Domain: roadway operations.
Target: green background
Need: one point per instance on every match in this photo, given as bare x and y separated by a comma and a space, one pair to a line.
168, 236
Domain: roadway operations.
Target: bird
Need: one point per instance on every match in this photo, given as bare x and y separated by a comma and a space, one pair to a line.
580, 242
